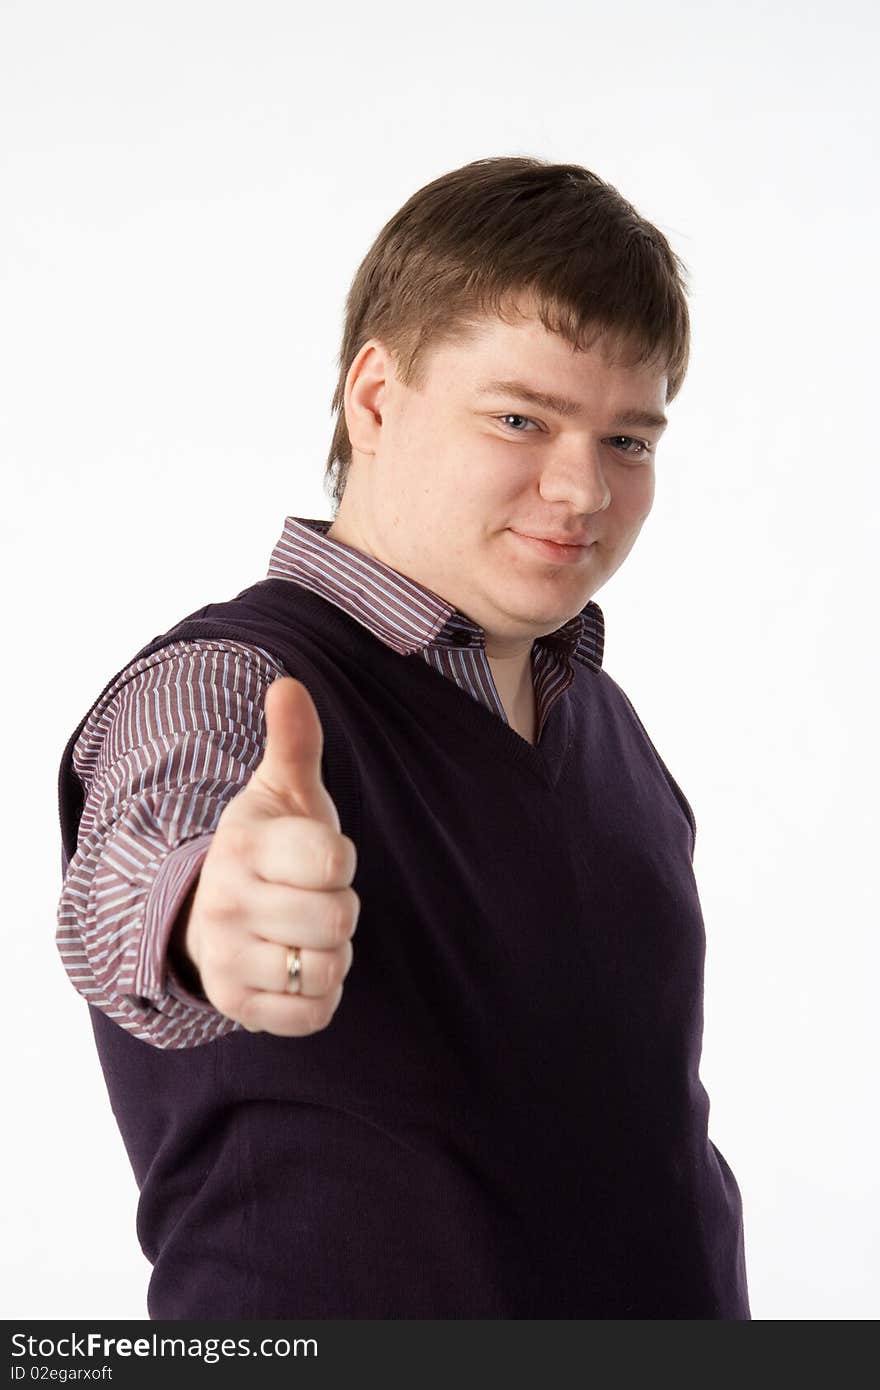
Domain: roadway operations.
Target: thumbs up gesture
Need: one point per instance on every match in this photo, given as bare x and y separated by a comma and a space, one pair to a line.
278, 875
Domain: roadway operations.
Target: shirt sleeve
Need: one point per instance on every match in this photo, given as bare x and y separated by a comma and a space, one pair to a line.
162, 753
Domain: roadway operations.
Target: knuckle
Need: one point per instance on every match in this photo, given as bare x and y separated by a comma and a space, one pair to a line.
210, 964
217, 907
232, 1003
238, 838
339, 914
350, 854
326, 972
235, 949
336, 857
249, 1015
220, 886
220, 948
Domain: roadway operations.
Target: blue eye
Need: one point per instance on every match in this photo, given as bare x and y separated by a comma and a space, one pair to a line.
641, 450
515, 417
644, 448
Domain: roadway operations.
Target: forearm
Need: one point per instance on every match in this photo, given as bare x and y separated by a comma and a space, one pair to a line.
173, 744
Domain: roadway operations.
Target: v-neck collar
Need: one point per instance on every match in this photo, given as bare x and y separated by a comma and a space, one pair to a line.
494, 736
432, 691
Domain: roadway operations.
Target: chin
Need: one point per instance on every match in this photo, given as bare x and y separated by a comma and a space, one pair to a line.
536, 610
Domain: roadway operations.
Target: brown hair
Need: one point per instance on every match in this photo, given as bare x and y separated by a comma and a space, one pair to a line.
467, 245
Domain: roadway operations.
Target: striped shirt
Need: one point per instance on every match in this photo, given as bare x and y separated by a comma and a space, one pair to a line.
181, 731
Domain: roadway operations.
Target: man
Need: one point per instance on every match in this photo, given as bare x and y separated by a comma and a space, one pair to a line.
490, 1107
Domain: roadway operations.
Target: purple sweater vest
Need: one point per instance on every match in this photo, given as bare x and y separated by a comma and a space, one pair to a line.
504, 1118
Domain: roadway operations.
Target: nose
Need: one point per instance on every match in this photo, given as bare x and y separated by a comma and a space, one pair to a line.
577, 478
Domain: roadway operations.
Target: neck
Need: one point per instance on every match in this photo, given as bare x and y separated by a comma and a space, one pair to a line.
516, 691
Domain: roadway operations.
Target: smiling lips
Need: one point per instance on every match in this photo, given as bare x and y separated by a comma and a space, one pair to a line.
557, 540
560, 550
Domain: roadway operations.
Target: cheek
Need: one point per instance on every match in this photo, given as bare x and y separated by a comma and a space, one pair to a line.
634, 498
480, 502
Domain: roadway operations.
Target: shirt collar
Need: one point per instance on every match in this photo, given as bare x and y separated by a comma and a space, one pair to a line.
398, 610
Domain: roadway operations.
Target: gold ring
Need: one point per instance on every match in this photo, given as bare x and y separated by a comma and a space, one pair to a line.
294, 970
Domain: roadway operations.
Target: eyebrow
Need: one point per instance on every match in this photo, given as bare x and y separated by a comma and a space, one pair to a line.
561, 405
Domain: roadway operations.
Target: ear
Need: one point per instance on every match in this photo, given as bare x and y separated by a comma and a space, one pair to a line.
365, 386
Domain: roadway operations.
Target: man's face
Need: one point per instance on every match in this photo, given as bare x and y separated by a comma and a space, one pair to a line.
451, 479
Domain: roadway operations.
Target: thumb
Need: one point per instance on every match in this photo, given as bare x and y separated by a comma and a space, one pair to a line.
290, 770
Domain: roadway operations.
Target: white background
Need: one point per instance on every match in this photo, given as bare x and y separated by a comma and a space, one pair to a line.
187, 191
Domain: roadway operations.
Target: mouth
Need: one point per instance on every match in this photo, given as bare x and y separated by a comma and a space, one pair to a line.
559, 551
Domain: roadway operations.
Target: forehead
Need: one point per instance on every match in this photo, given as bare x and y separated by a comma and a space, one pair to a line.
523, 359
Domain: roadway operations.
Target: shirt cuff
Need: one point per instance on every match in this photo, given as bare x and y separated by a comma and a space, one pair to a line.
177, 873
